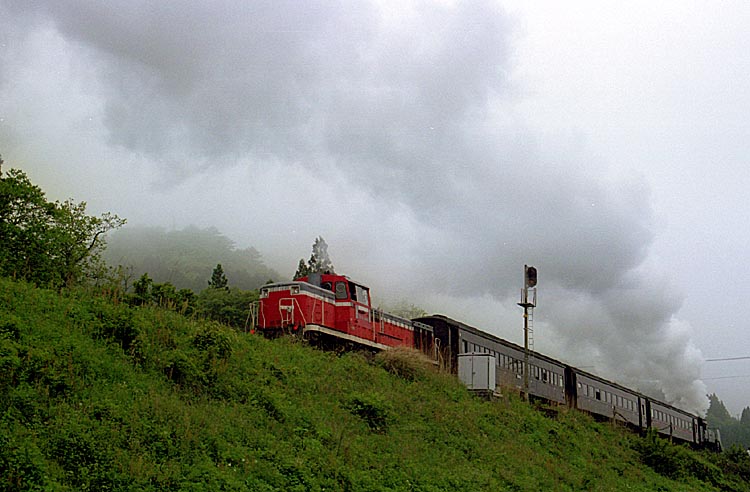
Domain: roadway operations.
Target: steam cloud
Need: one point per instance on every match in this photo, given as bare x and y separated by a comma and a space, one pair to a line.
411, 107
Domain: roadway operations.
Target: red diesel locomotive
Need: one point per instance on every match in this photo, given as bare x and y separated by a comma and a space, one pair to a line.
333, 307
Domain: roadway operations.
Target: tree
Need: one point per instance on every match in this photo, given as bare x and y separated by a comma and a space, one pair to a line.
142, 289
79, 238
25, 221
218, 279
717, 413
733, 431
319, 261
54, 244
302, 270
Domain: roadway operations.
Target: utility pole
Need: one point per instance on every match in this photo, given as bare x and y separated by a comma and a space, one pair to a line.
528, 302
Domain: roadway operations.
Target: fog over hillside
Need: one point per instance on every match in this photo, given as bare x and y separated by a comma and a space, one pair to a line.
437, 146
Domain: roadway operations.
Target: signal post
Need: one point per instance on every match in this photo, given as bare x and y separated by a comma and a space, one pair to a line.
528, 303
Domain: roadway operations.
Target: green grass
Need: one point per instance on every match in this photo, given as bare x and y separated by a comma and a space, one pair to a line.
102, 396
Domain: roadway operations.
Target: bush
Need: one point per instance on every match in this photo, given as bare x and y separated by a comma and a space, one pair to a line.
213, 340
675, 461
405, 362
22, 465
230, 307
183, 370
660, 455
373, 409
115, 323
9, 327
736, 461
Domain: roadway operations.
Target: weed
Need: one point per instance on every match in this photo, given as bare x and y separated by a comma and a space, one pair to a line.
372, 409
407, 363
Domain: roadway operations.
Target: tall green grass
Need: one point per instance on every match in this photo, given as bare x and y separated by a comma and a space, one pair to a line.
102, 396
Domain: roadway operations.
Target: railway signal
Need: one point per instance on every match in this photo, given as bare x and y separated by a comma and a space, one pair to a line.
530, 276
528, 302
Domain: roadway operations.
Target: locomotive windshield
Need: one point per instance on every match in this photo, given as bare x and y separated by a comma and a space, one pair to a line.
359, 294
341, 290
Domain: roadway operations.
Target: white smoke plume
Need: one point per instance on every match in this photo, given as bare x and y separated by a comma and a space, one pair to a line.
405, 111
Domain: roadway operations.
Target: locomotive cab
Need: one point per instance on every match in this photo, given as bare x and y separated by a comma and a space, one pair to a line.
352, 304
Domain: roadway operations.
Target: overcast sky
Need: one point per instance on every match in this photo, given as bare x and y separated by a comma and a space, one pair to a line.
437, 146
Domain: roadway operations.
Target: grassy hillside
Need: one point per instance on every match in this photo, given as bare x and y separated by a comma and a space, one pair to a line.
102, 396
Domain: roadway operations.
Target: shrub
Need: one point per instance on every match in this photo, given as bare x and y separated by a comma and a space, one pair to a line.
736, 461
373, 409
405, 362
22, 465
660, 455
213, 340
115, 323
10, 363
9, 327
675, 461
183, 370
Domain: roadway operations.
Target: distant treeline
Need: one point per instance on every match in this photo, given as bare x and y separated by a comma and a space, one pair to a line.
186, 258
734, 432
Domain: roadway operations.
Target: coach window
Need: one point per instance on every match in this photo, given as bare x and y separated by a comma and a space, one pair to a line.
341, 291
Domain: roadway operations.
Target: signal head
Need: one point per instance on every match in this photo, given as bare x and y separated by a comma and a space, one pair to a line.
530, 276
